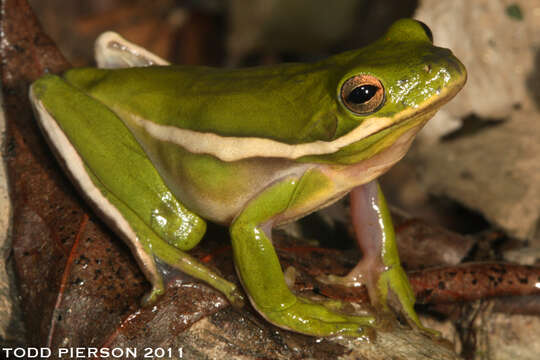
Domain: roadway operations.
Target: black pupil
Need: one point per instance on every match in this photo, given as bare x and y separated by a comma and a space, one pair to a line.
362, 94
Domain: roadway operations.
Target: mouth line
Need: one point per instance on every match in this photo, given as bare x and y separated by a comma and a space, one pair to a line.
447, 94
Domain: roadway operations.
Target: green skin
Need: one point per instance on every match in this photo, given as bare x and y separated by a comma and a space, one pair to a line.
155, 192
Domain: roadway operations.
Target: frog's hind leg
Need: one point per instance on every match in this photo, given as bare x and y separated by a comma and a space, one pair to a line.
147, 246
135, 234
111, 169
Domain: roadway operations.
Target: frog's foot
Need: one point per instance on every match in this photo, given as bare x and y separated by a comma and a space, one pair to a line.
383, 284
192, 267
310, 318
151, 250
233, 294
349, 280
361, 275
394, 284
230, 290
152, 296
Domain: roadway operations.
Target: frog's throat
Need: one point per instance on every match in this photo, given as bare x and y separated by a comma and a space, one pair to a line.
230, 148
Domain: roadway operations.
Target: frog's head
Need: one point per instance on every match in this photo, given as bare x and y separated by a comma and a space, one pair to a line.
384, 90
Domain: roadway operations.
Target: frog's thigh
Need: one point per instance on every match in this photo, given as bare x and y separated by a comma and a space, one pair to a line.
93, 142
109, 150
141, 239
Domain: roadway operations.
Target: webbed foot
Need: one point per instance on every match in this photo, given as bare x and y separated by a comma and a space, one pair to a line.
317, 319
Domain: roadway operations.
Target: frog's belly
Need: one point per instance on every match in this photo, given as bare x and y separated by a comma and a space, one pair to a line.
218, 190
213, 189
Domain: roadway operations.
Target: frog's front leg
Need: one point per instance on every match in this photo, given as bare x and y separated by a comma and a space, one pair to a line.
259, 269
380, 269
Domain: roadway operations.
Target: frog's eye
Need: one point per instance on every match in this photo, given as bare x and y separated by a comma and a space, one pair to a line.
362, 94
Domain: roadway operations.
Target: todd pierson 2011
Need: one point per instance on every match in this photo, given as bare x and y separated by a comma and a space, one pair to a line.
89, 353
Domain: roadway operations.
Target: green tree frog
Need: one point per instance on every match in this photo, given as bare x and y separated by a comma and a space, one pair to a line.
160, 149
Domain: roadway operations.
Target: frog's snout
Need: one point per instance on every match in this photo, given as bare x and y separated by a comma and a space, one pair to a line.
458, 70
443, 58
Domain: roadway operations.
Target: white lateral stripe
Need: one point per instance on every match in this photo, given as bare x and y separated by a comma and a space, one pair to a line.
228, 148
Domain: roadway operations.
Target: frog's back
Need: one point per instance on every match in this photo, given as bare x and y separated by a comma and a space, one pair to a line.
267, 102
